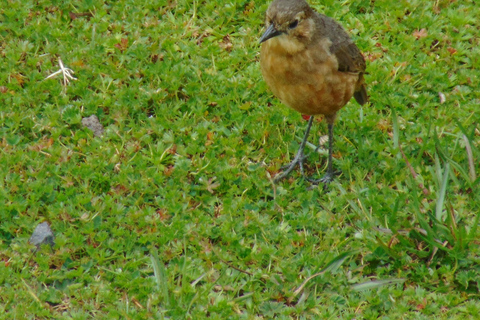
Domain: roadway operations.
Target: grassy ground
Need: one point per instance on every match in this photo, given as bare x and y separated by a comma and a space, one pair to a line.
172, 213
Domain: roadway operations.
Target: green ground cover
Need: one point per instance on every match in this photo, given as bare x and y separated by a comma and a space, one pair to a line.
172, 213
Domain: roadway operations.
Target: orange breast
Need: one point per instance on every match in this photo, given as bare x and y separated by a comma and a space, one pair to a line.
307, 81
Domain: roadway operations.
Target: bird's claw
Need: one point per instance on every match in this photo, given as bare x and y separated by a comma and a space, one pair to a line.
299, 159
326, 179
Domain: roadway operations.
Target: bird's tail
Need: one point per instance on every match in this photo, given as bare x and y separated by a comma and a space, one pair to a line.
360, 93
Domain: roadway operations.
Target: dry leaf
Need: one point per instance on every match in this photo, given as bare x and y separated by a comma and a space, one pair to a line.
452, 50
374, 56
163, 214
123, 45
226, 43
420, 33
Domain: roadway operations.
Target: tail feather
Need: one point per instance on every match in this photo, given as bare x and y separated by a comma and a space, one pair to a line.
361, 95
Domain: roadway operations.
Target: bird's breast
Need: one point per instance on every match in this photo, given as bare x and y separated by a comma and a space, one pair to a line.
308, 80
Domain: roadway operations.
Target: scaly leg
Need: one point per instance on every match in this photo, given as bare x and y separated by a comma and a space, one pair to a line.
299, 157
330, 175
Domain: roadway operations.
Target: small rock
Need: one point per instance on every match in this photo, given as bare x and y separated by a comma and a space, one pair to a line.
93, 124
42, 235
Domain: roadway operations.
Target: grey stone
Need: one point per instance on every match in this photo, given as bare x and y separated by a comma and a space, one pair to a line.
93, 124
42, 235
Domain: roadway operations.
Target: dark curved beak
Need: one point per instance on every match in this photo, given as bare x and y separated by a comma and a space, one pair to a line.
270, 33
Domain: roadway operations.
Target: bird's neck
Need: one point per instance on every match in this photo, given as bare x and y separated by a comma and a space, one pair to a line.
285, 44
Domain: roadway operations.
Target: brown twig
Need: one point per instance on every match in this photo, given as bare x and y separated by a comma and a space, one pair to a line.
232, 266
236, 268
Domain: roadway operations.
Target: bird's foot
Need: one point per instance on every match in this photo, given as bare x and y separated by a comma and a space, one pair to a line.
326, 179
299, 159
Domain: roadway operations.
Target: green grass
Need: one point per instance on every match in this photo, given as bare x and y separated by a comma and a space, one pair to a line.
171, 214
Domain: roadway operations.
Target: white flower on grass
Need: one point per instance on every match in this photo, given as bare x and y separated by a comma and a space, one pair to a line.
67, 73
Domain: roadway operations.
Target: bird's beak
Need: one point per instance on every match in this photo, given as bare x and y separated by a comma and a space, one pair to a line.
270, 33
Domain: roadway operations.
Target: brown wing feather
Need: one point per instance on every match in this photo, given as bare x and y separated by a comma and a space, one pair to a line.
349, 57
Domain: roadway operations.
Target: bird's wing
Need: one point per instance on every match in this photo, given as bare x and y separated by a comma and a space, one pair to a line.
349, 57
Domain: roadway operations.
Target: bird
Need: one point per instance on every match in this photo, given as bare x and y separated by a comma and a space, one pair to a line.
313, 66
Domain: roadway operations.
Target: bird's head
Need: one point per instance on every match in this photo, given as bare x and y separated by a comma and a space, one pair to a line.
290, 18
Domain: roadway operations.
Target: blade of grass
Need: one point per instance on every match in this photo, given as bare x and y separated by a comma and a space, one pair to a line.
396, 131
332, 266
468, 147
428, 231
412, 171
355, 207
376, 284
442, 193
441, 153
30, 290
471, 164
473, 231
160, 276
387, 248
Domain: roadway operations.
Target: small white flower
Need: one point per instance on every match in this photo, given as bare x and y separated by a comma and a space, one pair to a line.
67, 73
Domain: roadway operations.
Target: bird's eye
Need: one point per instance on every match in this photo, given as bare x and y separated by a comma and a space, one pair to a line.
293, 25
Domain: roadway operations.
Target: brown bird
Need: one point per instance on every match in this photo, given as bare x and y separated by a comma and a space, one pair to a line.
312, 65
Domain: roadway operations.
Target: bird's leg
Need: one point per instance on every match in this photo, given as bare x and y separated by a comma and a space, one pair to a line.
299, 157
330, 175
